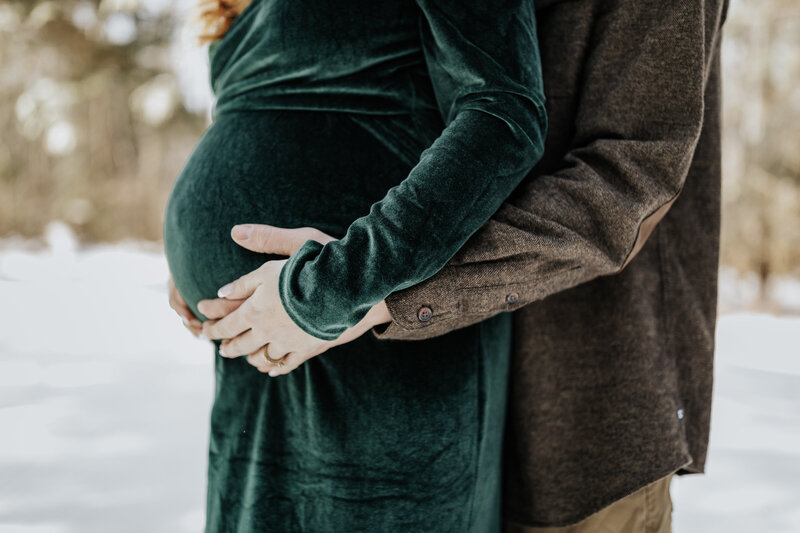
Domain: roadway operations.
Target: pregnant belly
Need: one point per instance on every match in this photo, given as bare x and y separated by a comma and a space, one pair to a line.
287, 168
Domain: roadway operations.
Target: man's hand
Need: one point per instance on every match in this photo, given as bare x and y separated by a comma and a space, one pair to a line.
249, 327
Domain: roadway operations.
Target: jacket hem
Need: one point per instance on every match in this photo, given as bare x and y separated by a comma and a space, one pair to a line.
573, 519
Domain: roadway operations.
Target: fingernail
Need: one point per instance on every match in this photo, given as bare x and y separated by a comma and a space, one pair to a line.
185, 321
225, 290
202, 337
222, 352
242, 231
273, 373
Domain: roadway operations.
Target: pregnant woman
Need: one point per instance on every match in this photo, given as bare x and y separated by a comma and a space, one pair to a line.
399, 127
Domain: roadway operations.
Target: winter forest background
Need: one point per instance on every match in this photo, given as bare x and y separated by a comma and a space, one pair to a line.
104, 397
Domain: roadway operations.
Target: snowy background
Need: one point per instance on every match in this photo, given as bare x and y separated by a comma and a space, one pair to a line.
102, 391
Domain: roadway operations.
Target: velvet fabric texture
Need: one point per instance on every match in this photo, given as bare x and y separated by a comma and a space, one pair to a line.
610, 247
398, 127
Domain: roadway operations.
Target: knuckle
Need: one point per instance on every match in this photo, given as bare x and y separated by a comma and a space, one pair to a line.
265, 237
231, 348
253, 310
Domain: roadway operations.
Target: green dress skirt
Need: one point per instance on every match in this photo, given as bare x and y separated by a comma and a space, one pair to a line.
398, 128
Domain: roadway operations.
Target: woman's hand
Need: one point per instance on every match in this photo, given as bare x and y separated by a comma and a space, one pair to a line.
377, 315
177, 303
259, 321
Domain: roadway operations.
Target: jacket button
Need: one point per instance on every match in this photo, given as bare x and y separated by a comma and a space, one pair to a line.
424, 314
512, 297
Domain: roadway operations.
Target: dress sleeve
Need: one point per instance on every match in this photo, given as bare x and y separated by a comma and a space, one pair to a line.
484, 65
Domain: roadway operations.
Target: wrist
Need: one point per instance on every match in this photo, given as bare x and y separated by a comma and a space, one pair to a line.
378, 314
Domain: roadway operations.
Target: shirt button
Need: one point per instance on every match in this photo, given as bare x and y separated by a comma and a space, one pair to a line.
512, 297
424, 314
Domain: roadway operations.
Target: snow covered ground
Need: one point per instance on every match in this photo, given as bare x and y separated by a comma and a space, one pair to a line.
104, 401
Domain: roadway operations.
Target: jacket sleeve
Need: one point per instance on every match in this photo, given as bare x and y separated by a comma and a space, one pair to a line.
639, 117
484, 65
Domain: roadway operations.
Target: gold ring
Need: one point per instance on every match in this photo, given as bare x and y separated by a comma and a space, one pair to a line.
270, 360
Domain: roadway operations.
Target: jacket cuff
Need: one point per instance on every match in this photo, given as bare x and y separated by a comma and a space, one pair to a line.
421, 312
417, 314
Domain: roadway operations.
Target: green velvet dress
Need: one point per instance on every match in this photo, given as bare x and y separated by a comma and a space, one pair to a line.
398, 127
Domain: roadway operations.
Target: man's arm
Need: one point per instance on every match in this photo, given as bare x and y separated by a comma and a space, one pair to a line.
639, 118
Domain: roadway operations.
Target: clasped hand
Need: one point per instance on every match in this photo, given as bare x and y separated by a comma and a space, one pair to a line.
248, 315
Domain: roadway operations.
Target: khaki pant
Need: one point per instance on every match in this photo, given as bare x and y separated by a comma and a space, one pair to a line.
648, 510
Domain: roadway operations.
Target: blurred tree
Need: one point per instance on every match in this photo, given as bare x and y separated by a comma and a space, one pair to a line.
761, 151
94, 127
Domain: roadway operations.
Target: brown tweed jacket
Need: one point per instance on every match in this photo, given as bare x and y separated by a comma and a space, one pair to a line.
608, 255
